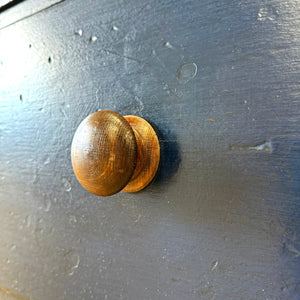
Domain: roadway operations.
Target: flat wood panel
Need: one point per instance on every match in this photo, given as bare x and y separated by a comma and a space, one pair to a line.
219, 80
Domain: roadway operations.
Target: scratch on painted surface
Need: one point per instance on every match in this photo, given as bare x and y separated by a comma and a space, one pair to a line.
265, 146
120, 55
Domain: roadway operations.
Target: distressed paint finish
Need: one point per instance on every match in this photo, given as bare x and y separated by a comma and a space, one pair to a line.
219, 80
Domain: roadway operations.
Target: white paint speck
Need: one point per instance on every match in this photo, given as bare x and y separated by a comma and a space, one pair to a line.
93, 38
267, 13
79, 32
266, 146
168, 45
214, 265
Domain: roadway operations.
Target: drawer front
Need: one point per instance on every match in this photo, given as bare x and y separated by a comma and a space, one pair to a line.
219, 82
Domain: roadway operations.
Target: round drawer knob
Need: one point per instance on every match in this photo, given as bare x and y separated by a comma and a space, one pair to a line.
111, 153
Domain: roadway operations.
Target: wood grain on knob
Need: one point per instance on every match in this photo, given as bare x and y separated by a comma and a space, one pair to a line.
111, 153
104, 152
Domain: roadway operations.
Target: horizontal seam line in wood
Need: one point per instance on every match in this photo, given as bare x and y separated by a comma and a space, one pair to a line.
31, 15
10, 4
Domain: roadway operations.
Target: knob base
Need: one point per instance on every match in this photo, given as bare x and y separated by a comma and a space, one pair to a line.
148, 154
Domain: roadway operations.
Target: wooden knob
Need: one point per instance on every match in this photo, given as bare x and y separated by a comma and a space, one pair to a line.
111, 153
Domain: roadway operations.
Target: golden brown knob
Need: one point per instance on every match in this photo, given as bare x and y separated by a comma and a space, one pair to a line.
111, 153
